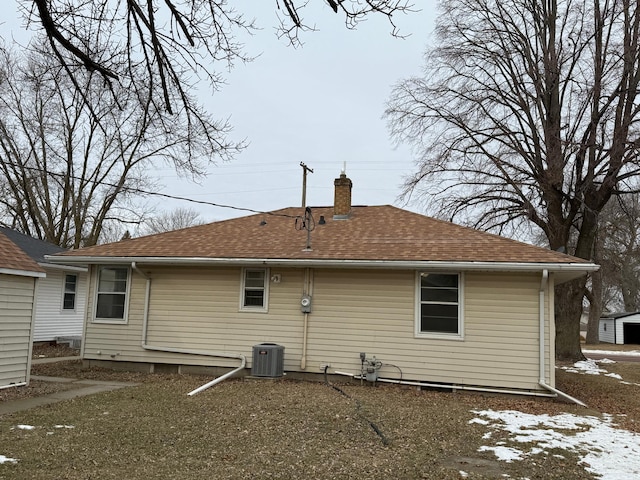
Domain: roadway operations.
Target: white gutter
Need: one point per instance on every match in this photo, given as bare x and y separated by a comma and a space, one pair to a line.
22, 273
145, 323
336, 263
58, 266
544, 283
449, 385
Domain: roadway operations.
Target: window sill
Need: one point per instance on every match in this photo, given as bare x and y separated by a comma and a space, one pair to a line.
253, 310
109, 321
439, 336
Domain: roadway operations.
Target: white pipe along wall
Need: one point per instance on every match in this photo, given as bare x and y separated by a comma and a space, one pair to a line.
544, 284
307, 290
145, 323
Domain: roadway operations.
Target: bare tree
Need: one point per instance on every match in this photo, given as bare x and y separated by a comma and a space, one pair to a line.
527, 112
171, 41
171, 220
68, 171
621, 249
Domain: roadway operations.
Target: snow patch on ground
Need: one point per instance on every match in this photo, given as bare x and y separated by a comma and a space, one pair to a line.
25, 427
632, 353
588, 367
605, 451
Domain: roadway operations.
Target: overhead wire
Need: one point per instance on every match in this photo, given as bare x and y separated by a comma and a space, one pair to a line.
141, 191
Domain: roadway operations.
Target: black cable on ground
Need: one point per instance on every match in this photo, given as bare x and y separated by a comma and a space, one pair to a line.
374, 427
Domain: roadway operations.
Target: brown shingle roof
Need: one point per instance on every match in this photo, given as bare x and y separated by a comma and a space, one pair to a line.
378, 233
13, 258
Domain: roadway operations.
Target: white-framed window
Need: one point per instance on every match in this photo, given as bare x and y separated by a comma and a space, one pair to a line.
112, 291
255, 289
69, 291
439, 309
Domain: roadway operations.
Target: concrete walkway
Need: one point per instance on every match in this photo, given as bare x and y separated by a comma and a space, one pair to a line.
80, 388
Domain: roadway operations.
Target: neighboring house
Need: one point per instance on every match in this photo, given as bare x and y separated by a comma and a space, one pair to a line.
19, 276
621, 328
61, 295
434, 302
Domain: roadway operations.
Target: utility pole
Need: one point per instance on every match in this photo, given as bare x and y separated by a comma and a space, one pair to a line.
304, 183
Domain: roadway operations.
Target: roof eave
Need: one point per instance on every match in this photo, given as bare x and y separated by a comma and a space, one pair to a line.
56, 266
564, 271
22, 273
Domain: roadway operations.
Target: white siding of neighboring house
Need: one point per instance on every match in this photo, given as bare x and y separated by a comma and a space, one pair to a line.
371, 311
52, 320
606, 330
16, 321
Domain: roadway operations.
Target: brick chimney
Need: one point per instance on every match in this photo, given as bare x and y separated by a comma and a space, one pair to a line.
342, 197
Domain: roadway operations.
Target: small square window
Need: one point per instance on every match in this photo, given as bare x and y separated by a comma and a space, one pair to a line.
254, 289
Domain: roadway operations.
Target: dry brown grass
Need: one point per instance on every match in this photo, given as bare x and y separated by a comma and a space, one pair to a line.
286, 429
608, 395
53, 350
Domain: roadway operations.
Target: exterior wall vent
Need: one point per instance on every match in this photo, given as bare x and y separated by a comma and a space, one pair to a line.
268, 360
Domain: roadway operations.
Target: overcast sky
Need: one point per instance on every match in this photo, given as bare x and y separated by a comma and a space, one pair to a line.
321, 104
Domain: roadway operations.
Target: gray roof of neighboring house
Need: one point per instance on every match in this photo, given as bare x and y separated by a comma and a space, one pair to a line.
36, 249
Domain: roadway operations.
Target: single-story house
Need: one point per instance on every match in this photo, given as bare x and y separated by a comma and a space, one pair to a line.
620, 328
61, 294
435, 303
19, 276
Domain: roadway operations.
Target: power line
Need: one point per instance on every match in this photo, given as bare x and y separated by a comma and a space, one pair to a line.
157, 194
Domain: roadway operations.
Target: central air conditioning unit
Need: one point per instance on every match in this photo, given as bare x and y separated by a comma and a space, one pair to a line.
268, 360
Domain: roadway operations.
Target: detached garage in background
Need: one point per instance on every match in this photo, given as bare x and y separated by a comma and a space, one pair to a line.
19, 276
621, 328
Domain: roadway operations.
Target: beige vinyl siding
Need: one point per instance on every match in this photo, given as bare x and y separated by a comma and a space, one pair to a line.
51, 320
199, 309
353, 311
373, 312
16, 317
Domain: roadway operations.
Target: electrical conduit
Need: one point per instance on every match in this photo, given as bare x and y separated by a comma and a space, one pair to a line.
308, 290
145, 323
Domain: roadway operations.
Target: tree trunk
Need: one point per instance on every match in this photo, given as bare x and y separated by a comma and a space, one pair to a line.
568, 309
595, 309
595, 300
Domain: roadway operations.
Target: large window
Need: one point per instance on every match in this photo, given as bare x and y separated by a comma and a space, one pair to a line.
69, 292
111, 298
439, 306
254, 289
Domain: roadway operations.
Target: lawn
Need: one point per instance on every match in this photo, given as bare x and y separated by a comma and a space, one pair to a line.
287, 429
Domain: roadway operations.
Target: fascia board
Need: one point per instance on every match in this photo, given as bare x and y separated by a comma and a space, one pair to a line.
71, 268
22, 273
577, 268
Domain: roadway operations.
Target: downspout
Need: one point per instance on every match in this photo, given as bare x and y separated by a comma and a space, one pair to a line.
544, 284
145, 346
34, 308
308, 290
